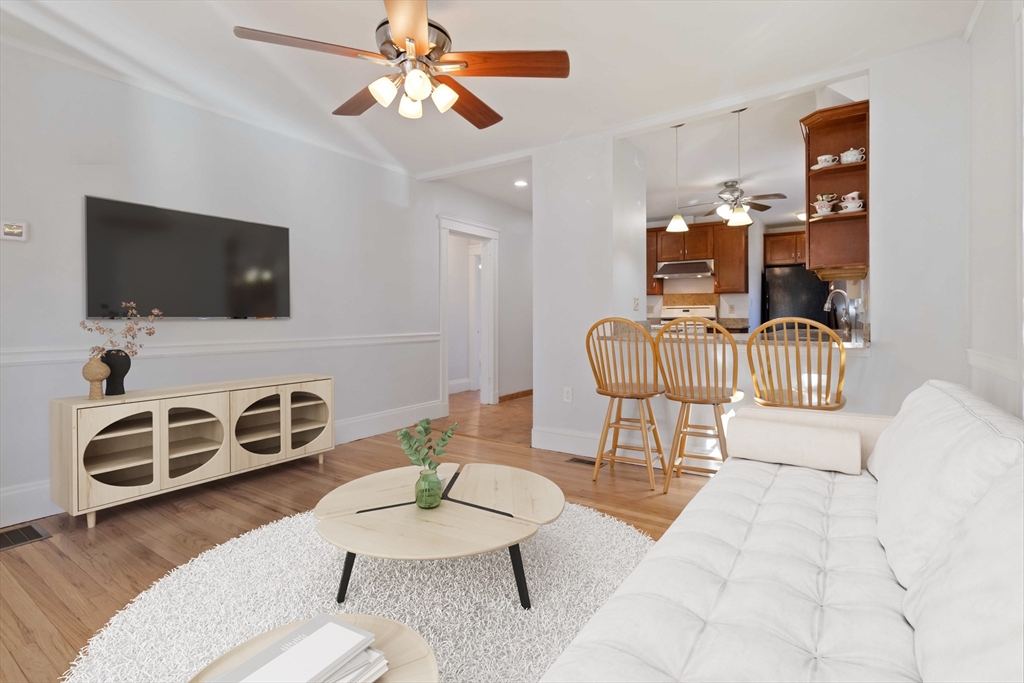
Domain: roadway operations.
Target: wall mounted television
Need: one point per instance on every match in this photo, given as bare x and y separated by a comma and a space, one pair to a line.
186, 264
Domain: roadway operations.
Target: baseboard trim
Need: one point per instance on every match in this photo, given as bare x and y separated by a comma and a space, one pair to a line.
26, 502
11, 357
1008, 368
565, 441
457, 386
363, 426
513, 396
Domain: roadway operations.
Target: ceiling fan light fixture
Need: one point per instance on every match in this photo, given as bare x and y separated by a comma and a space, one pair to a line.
444, 97
417, 85
739, 217
410, 108
725, 211
677, 224
384, 90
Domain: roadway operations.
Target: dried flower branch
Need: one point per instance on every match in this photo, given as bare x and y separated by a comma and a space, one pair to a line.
134, 325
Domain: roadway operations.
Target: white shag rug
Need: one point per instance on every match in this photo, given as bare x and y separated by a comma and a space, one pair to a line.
467, 609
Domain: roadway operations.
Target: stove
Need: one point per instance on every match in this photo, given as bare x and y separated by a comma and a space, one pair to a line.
670, 313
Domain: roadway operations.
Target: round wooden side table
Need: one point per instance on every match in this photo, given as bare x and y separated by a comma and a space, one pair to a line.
409, 657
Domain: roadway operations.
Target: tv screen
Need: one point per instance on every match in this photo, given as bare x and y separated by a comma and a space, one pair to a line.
185, 264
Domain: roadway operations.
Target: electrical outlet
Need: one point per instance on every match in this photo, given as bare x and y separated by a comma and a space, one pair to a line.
650, 310
567, 394
636, 303
732, 308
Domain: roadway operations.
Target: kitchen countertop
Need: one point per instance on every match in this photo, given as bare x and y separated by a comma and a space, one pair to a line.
855, 348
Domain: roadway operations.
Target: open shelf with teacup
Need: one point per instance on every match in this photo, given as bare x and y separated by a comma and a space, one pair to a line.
838, 157
839, 168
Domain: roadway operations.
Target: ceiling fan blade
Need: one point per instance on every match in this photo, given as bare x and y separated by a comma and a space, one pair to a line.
516, 63
304, 43
712, 212
357, 104
469, 106
408, 19
757, 207
774, 195
691, 206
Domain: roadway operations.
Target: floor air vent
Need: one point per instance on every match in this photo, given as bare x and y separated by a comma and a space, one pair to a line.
22, 535
585, 461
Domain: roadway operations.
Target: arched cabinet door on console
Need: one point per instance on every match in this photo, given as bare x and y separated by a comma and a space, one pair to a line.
195, 441
119, 450
259, 419
312, 419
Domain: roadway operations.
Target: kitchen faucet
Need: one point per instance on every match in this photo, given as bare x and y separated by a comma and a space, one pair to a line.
845, 320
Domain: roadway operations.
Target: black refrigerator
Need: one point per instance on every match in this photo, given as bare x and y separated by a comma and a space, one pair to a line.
794, 291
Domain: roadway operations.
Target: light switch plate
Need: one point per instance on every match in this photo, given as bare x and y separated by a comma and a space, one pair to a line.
636, 303
14, 230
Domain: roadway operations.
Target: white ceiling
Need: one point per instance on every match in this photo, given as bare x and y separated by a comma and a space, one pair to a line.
630, 60
499, 183
772, 160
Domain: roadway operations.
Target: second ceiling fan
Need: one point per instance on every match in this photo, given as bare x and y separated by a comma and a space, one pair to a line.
733, 205
420, 50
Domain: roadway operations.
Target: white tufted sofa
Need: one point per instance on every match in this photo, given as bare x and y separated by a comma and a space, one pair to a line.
912, 570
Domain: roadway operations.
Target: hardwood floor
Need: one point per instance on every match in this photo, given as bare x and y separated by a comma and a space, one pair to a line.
55, 594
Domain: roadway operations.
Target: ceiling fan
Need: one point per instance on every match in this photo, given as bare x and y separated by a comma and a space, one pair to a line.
733, 204
420, 50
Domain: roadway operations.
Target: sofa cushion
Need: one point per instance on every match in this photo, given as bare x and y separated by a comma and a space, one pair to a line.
770, 573
832, 450
967, 607
941, 453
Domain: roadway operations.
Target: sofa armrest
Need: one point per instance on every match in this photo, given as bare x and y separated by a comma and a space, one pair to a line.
869, 426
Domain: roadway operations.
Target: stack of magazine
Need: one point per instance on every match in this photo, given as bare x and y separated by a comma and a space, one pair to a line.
323, 650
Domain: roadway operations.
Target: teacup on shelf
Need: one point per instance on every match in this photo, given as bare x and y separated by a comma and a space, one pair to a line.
852, 197
827, 160
850, 207
823, 207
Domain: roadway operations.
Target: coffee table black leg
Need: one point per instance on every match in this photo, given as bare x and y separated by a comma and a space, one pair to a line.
517, 569
346, 574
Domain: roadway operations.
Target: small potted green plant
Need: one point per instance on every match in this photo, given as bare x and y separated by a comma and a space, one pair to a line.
423, 451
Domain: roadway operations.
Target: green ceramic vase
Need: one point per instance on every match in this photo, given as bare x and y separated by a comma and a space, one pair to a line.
428, 490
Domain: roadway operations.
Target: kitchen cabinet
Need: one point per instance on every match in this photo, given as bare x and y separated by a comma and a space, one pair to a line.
837, 243
698, 242
654, 285
784, 249
671, 246
695, 244
731, 270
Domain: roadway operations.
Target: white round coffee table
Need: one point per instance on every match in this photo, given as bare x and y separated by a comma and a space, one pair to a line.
409, 657
484, 508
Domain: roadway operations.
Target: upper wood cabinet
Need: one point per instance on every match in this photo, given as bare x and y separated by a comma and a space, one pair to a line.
695, 244
837, 244
671, 246
785, 248
698, 242
654, 285
731, 269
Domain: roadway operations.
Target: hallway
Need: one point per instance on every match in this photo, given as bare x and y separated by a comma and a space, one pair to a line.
508, 422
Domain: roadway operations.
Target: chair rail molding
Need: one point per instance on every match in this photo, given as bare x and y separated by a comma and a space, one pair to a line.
1009, 368
76, 354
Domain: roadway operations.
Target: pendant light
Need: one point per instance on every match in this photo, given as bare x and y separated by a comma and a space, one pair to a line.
737, 215
677, 224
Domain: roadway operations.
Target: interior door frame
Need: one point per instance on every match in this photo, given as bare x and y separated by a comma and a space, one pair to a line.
488, 236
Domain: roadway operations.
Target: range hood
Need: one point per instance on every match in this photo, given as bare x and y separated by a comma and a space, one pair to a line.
681, 269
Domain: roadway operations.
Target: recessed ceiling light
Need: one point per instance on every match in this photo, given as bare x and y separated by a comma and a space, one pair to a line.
802, 215
521, 183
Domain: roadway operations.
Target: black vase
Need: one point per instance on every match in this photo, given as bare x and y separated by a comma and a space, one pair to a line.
119, 363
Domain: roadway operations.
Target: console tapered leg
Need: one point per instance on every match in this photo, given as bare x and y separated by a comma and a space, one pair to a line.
517, 569
346, 574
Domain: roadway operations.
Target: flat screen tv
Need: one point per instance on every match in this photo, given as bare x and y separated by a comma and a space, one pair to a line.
185, 264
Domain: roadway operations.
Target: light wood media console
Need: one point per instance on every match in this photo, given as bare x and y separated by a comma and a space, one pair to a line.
142, 443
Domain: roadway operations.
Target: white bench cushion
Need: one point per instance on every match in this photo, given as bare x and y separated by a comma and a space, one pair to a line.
831, 450
967, 608
942, 452
771, 573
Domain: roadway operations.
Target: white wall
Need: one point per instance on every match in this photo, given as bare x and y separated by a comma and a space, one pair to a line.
589, 214
995, 206
919, 146
364, 259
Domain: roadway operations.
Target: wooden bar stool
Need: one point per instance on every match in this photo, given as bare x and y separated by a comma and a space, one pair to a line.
698, 362
794, 364
625, 366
